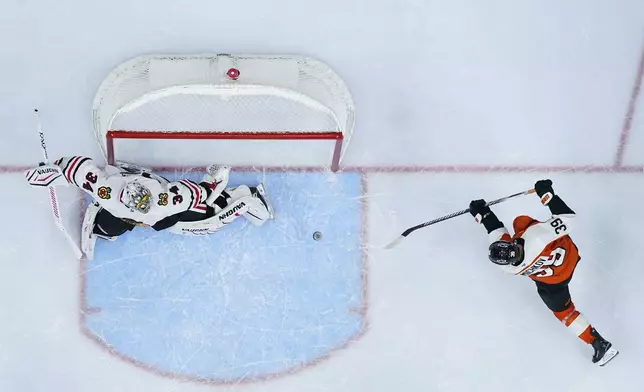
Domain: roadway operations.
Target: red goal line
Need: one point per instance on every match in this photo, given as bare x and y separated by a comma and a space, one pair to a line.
393, 169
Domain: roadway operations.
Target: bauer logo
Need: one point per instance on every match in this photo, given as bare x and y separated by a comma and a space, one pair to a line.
232, 211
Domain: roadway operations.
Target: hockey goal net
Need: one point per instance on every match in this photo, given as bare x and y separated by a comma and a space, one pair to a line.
251, 110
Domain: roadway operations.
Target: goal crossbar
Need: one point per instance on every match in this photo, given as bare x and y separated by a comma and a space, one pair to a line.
239, 135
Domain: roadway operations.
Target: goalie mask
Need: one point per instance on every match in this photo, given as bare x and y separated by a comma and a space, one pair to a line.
137, 197
506, 253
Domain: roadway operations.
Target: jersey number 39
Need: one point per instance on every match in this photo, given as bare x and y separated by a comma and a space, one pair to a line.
547, 263
558, 225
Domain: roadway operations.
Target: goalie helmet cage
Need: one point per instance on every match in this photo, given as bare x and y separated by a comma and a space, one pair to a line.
272, 110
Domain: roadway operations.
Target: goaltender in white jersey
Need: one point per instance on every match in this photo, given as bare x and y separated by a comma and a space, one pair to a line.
127, 196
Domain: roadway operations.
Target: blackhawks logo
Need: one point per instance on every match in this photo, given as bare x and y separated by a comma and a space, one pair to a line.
104, 192
163, 199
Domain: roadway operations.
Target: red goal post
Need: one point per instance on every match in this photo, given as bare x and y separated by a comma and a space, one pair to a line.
258, 110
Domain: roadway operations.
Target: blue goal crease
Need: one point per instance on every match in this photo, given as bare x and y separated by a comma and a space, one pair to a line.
246, 302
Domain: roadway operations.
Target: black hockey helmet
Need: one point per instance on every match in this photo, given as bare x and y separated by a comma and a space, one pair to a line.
506, 252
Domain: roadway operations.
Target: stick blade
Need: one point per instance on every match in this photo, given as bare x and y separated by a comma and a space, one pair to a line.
395, 242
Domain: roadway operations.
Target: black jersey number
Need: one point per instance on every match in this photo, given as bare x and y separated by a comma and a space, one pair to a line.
558, 225
91, 179
178, 198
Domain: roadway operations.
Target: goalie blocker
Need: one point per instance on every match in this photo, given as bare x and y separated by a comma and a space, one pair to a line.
127, 196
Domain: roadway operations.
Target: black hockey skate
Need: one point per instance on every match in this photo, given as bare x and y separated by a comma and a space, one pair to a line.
604, 350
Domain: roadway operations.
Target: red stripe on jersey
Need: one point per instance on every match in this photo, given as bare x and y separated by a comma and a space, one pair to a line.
70, 169
197, 195
195, 191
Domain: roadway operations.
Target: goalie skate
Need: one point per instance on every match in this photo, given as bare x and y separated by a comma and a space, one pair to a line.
260, 193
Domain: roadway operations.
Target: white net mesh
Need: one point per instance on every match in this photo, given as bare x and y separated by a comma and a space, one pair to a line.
284, 95
234, 108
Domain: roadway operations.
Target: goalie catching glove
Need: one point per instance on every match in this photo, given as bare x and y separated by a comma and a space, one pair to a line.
216, 179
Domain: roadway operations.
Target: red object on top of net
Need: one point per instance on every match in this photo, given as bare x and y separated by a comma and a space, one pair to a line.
233, 73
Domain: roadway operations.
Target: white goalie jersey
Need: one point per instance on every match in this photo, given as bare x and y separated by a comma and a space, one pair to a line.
108, 187
139, 197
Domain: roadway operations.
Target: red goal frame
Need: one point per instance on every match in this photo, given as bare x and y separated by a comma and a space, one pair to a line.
111, 135
311, 86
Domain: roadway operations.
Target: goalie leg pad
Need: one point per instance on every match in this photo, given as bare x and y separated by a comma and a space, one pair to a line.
235, 209
88, 239
259, 209
261, 212
251, 203
99, 223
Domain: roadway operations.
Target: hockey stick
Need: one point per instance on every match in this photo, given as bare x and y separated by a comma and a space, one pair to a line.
405, 233
53, 196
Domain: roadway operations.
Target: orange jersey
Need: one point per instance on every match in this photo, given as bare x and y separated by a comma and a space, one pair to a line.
550, 255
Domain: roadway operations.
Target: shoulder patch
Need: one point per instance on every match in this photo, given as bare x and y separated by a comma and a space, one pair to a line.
163, 199
104, 192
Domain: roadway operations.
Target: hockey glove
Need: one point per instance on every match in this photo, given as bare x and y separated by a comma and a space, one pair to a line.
215, 180
46, 175
216, 174
544, 190
479, 210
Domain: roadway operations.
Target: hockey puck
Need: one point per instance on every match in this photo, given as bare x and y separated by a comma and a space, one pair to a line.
317, 236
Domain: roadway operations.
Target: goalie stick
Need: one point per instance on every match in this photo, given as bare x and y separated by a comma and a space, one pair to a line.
405, 233
53, 196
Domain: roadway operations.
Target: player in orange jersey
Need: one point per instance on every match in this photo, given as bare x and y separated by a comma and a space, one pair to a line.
544, 252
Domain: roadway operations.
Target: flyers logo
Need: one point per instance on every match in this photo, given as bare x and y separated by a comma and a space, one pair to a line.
104, 192
163, 199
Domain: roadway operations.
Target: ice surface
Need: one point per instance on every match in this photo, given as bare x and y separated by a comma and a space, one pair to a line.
246, 303
444, 92
439, 314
